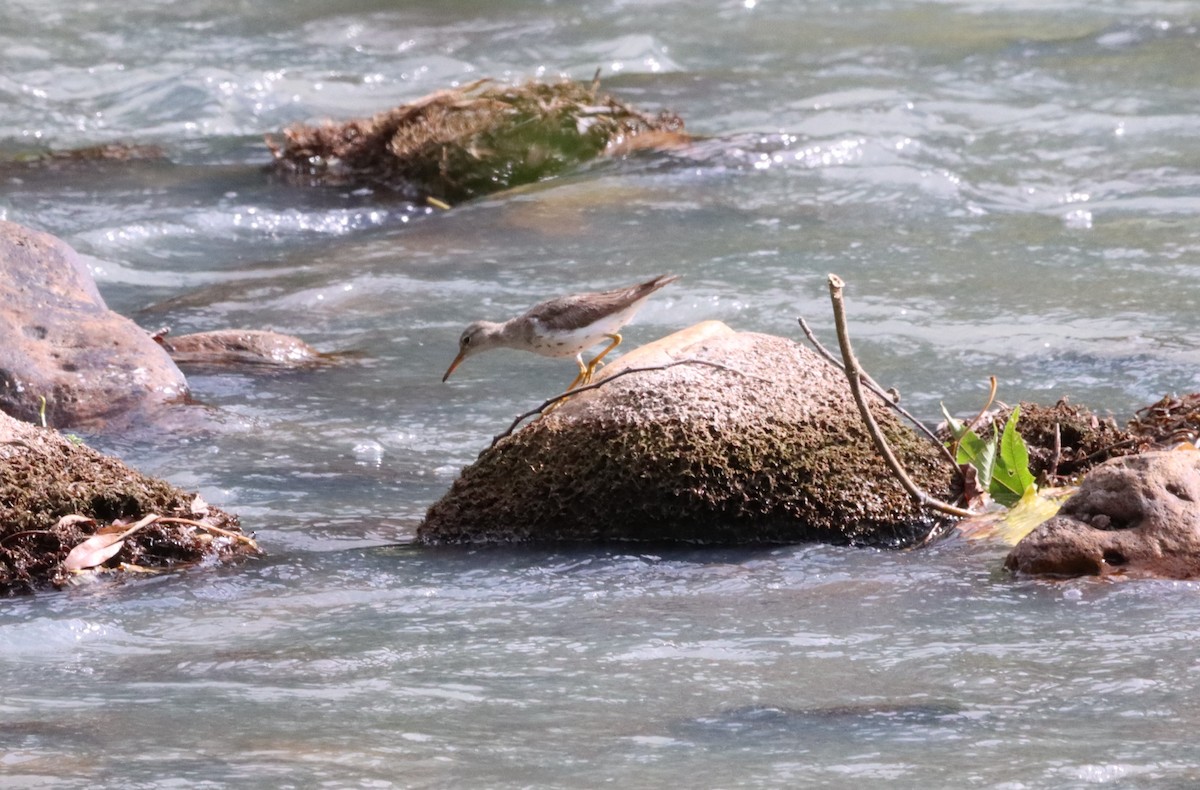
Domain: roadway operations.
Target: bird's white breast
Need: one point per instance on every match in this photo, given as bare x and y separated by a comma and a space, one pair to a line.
568, 344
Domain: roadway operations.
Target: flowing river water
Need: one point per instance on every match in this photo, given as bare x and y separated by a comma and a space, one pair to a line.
1008, 188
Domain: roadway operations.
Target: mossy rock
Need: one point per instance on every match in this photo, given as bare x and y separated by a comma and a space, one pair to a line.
745, 438
45, 477
462, 143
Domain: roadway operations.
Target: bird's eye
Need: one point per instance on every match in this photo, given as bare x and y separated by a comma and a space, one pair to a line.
466, 341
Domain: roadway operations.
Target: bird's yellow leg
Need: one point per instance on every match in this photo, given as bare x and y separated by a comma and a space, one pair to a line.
585, 371
583, 374
590, 370
573, 385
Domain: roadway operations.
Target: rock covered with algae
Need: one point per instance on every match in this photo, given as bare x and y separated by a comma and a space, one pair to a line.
55, 494
737, 438
461, 143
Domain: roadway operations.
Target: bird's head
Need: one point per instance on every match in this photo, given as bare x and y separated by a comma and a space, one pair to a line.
475, 338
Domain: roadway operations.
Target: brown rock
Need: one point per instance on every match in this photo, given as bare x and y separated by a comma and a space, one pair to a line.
758, 442
241, 347
59, 341
1137, 515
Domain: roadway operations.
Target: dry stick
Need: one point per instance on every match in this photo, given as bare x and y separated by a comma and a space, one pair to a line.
160, 519
12, 535
1053, 471
970, 425
1106, 449
853, 374
210, 528
878, 390
521, 418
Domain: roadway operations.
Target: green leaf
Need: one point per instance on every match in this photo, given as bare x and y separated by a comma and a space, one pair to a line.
1011, 478
979, 454
973, 450
957, 428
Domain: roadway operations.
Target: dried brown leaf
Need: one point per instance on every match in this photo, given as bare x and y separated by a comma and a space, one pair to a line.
103, 545
96, 550
73, 518
975, 496
199, 507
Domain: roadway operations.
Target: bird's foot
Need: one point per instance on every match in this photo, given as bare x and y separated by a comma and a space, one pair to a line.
591, 372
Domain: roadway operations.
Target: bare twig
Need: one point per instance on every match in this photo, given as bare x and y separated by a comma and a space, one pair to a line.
12, 535
878, 390
1052, 472
210, 528
853, 374
569, 393
1077, 462
970, 425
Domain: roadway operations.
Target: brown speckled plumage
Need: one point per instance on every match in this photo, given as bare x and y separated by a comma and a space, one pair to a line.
564, 326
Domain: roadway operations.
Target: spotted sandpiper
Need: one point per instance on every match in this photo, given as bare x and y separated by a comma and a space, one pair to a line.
563, 327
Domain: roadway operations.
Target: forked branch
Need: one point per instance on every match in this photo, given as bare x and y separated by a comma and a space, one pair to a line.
878, 390
854, 375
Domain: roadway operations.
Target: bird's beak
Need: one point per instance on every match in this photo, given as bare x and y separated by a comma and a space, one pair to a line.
457, 360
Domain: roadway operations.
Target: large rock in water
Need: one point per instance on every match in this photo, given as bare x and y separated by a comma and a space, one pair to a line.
59, 340
755, 441
1133, 516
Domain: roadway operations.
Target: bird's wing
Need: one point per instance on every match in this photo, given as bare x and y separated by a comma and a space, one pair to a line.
577, 310
571, 312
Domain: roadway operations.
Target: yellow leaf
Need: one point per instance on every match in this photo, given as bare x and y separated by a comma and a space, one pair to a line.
1009, 526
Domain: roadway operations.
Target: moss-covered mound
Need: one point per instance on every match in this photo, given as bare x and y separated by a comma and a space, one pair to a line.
752, 439
46, 480
462, 143
1084, 439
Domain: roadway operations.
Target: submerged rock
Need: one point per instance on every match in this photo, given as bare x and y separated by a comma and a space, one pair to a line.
834, 723
59, 341
55, 493
240, 348
1137, 515
745, 438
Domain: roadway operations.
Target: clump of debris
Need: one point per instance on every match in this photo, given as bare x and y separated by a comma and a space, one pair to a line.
462, 143
68, 512
1169, 421
1067, 440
